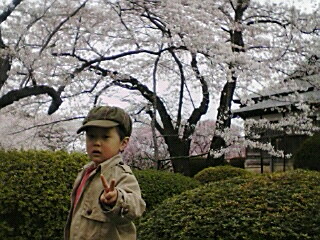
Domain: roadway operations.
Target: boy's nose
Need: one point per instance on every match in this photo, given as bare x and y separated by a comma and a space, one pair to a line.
97, 141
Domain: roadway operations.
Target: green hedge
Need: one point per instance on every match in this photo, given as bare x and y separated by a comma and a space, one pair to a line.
214, 174
35, 187
157, 186
308, 154
34, 193
274, 207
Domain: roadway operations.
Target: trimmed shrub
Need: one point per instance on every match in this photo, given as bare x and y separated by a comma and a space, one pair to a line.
34, 193
274, 207
35, 187
214, 174
157, 186
308, 154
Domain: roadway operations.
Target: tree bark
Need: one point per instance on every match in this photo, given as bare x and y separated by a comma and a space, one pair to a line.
223, 122
5, 62
16, 95
224, 109
9, 9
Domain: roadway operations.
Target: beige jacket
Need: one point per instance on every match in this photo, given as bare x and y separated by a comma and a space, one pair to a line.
90, 221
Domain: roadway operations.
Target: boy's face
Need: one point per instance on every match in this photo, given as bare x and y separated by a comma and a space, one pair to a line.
103, 143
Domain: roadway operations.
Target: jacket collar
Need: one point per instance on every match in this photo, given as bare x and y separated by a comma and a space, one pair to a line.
111, 162
106, 164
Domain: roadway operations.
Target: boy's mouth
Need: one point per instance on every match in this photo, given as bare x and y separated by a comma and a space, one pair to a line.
96, 152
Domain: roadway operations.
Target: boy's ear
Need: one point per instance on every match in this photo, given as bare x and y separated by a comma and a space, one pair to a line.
124, 143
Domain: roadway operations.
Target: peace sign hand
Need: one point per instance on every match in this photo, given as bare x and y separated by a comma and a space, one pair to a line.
110, 194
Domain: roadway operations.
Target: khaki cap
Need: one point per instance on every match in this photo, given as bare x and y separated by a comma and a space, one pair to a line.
107, 116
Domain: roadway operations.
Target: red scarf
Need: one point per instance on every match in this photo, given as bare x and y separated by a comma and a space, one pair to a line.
81, 185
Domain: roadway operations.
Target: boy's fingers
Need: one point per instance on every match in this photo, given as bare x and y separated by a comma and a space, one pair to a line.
112, 185
110, 195
104, 183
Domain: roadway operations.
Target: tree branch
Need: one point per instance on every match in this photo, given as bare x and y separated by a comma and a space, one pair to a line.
268, 21
9, 9
158, 23
60, 25
149, 95
132, 83
5, 62
87, 63
182, 82
204, 105
16, 95
46, 124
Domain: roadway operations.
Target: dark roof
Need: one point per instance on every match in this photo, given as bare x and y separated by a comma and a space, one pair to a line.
270, 105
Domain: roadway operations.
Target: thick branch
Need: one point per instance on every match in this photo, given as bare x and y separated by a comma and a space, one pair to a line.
132, 83
16, 95
9, 9
236, 34
268, 21
315, 30
5, 62
116, 56
149, 95
154, 117
203, 108
182, 83
158, 23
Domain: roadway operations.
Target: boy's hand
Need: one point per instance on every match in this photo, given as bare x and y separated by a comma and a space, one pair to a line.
110, 194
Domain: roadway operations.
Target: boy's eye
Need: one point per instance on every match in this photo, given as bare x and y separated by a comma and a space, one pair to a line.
105, 137
90, 135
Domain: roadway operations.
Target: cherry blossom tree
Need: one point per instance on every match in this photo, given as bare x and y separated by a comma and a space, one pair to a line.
140, 151
61, 48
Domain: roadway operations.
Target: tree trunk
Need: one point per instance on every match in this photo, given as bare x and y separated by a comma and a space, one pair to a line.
224, 110
223, 122
179, 153
5, 62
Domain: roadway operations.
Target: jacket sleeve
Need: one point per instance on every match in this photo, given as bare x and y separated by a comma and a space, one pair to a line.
130, 204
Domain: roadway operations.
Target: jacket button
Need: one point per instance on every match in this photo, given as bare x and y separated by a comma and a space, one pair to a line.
125, 210
89, 211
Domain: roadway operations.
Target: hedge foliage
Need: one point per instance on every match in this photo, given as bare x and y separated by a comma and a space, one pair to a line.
34, 193
156, 186
308, 154
35, 187
274, 207
214, 174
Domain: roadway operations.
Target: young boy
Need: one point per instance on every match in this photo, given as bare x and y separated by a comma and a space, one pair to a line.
106, 196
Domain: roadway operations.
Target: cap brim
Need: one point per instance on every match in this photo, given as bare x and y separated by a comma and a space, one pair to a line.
98, 123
